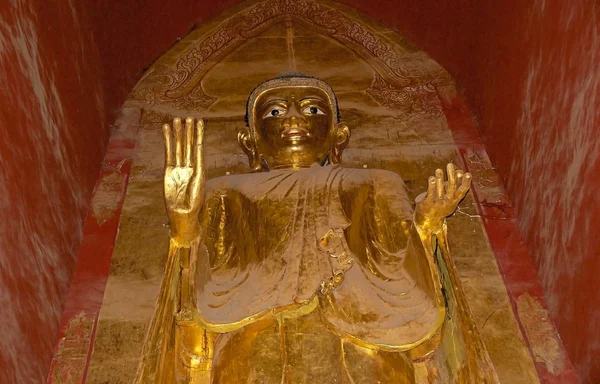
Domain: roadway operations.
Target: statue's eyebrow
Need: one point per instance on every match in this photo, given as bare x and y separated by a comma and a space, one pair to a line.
275, 100
312, 97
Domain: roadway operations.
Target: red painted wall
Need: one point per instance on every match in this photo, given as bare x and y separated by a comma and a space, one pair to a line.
52, 137
540, 113
131, 34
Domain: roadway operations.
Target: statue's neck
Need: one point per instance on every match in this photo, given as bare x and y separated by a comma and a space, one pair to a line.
294, 166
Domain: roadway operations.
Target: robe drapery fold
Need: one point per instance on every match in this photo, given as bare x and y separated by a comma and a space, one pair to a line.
332, 238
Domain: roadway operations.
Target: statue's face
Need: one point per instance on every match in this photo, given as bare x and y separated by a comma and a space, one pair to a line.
294, 126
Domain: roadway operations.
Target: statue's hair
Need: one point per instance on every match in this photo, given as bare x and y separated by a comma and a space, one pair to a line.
289, 78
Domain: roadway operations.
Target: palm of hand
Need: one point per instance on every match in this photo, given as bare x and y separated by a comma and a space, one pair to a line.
184, 178
442, 198
177, 182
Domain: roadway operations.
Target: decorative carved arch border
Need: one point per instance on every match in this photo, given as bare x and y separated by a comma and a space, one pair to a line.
180, 86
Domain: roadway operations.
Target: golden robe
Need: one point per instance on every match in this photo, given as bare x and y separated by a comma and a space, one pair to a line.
311, 276
331, 239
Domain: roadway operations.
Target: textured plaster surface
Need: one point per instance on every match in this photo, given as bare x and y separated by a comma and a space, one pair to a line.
555, 174
53, 136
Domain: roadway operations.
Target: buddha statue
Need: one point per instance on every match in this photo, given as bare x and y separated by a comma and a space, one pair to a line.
301, 271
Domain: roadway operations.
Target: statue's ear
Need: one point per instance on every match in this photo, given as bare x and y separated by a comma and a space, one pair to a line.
342, 137
248, 145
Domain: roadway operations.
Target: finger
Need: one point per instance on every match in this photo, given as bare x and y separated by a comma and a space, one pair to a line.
197, 197
178, 141
431, 187
464, 187
199, 164
459, 176
451, 188
168, 148
199, 132
189, 141
439, 182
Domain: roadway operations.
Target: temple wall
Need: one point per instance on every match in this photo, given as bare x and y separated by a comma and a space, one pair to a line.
526, 67
391, 94
540, 110
53, 127
132, 34
528, 70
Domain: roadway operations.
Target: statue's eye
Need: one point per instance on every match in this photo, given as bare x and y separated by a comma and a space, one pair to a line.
313, 110
275, 112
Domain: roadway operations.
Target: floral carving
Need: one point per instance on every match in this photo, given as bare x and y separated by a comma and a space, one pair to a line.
412, 100
150, 117
180, 85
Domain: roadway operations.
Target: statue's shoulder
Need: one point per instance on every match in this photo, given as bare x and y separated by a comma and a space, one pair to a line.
217, 182
372, 176
229, 182
243, 183
382, 182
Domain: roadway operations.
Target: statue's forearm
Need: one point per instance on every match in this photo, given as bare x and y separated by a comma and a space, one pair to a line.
183, 260
185, 229
428, 224
425, 229
182, 247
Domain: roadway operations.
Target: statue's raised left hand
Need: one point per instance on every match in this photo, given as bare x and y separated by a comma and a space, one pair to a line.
184, 178
442, 198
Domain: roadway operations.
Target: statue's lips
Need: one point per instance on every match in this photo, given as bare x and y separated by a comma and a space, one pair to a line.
295, 134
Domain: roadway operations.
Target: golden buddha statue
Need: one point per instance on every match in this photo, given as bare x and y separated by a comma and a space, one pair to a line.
303, 270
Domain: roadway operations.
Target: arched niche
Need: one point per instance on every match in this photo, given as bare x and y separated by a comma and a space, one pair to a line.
390, 91
391, 95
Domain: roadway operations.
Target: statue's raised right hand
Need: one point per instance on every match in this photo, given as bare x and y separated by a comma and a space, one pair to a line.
184, 178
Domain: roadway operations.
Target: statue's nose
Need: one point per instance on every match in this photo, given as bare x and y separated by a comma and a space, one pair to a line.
294, 118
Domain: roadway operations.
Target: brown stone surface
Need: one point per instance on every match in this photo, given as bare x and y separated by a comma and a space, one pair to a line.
536, 321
